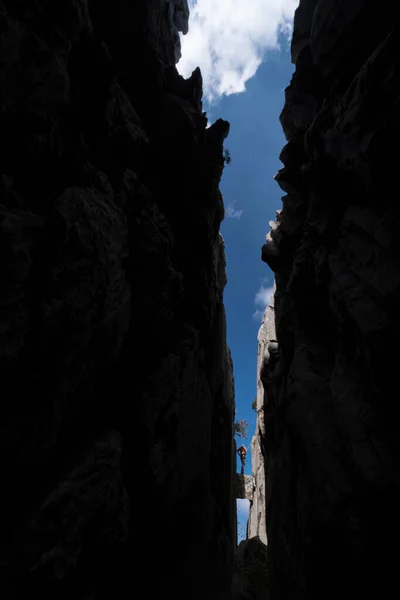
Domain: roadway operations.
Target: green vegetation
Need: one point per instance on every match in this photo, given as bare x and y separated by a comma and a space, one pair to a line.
227, 156
240, 428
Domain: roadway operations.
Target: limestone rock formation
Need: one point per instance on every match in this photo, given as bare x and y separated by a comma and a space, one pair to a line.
266, 360
331, 414
244, 486
116, 428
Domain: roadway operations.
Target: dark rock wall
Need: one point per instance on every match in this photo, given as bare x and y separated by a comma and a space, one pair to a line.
116, 444
331, 407
250, 573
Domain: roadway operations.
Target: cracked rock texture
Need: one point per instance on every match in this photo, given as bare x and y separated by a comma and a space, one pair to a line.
266, 358
116, 420
244, 486
331, 410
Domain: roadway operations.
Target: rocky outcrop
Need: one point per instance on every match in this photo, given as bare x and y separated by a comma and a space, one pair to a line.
116, 428
331, 415
250, 574
266, 358
244, 487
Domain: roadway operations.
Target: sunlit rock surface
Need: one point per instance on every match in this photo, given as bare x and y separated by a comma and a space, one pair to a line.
266, 359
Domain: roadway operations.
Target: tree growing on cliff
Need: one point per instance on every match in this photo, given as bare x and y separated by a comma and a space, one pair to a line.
240, 428
227, 156
254, 404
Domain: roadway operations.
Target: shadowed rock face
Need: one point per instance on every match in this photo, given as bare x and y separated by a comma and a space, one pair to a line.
116, 443
250, 574
331, 411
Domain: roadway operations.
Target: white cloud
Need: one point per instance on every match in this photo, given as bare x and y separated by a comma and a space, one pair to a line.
232, 213
263, 296
228, 40
258, 315
243, 506
261, 300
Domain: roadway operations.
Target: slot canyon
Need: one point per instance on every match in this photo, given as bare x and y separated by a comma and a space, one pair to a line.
117, 429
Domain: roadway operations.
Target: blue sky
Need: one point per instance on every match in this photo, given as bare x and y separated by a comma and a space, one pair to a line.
242, 48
